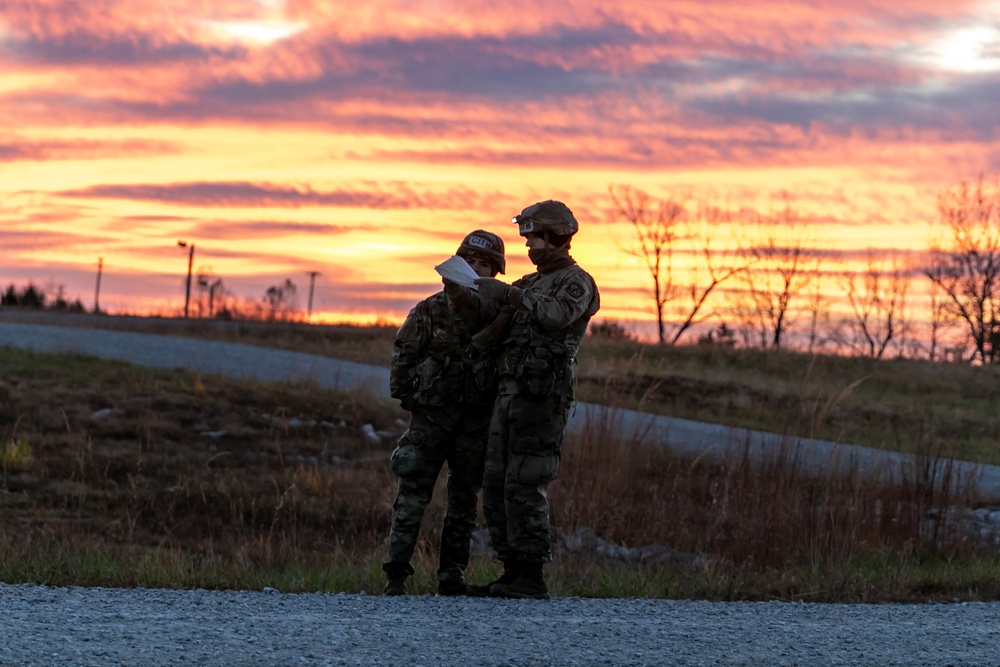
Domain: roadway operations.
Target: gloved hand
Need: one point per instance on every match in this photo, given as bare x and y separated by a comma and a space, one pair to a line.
480, 343
491, 288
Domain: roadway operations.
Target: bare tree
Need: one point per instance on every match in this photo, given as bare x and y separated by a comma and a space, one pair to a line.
210, 292
657, 230
281, 300
783, 269
203, 281
967, 271
661, 227
877, 299
941, 316
819, 317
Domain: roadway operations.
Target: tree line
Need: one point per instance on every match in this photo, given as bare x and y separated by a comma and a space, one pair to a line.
746, 278
211, 300
33, 296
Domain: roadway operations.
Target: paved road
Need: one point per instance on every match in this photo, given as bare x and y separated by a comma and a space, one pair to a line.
713, 442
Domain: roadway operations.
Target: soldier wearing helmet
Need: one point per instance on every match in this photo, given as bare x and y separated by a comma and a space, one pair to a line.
450, 400
548, 313
484, 246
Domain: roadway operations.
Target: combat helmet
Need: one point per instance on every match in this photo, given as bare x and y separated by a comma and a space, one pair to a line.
488, 244
547, 216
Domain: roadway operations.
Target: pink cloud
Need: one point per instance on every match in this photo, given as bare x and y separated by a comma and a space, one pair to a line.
28, 150
238, 194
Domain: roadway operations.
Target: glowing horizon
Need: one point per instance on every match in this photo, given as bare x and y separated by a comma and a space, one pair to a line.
363, 141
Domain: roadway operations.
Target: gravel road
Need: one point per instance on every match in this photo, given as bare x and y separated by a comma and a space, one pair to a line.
107, 627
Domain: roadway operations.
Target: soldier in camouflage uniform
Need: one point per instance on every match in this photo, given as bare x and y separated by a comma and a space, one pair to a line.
449, 399
549, 312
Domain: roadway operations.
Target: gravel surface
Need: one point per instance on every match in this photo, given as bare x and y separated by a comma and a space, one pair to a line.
106, 627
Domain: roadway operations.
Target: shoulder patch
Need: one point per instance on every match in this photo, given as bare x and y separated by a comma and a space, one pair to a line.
575, 290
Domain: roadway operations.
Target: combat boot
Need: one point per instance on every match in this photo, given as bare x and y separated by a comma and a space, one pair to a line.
510, 572
452, 588
529, 584
396, 585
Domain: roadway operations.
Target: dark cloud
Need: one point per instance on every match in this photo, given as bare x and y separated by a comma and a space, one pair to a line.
85, 49
152, 218
856, 93
240, 194
14, 240
556, 63
665, 150
223, 229
562, 62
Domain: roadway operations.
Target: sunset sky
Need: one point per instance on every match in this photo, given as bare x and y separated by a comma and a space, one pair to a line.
363, 139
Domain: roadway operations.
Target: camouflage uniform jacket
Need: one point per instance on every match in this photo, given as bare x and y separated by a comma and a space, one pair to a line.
431, 372
537, 355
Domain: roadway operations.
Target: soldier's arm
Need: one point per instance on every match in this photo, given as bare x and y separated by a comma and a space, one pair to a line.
470, 306
568, 304
493, 333
407, 352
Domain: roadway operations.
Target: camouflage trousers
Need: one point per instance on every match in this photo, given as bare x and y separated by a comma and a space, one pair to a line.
522, 458
417, 460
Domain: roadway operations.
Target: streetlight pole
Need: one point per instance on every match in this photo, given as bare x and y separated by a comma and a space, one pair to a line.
312, 283
97, 287
187, 292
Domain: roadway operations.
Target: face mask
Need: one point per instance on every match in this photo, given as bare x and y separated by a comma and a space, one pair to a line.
540, 255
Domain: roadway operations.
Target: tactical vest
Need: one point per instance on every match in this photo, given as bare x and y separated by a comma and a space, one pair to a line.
539, 359
444, 376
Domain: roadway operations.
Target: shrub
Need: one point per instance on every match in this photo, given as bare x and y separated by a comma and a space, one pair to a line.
610, 330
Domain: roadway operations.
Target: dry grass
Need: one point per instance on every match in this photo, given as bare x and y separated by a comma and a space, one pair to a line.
147, 474
905, 405
740, 530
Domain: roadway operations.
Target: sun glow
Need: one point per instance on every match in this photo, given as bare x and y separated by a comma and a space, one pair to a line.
969, 50
259, 32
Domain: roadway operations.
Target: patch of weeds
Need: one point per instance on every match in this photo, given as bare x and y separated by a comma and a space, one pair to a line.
15, 455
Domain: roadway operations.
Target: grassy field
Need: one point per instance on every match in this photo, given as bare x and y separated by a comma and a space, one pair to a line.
125, 476
907, 405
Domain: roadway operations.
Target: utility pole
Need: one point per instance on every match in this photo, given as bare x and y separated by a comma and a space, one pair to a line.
97, 288
187, 293
312, 283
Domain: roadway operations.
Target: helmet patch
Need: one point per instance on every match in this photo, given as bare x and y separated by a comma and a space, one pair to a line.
487, 244
479, 242
547, 216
